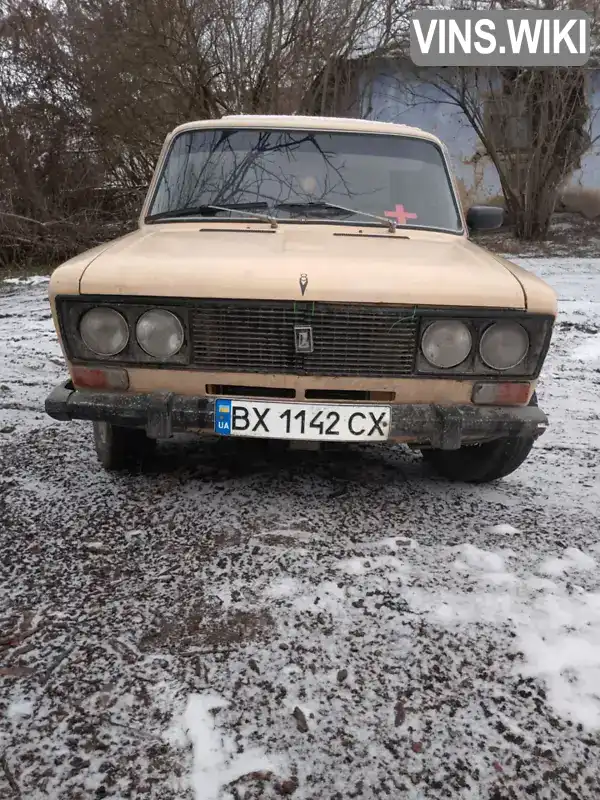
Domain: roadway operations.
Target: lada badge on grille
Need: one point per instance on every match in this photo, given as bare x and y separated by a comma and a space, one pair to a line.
303, 338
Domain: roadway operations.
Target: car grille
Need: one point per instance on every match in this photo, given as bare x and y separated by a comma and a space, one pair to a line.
348, 340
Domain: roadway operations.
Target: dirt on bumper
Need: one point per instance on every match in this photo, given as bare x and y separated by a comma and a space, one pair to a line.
162, 414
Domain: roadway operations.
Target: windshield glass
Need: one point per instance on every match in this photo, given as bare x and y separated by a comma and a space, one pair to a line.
292, 174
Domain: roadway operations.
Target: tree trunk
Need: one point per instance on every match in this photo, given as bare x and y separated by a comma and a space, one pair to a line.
531, 215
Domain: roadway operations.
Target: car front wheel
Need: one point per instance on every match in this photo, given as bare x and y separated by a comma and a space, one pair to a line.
485, 462
121, 448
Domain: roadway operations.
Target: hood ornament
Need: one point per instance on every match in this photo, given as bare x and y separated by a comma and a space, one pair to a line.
303, 282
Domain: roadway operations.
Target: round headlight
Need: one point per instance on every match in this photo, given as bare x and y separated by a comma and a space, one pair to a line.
159, 333
104, 331
446, 343
504, 345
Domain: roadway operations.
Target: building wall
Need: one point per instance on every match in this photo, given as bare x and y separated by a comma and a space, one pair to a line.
589, 174
425, 107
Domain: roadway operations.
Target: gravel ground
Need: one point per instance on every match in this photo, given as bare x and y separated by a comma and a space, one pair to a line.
234, 623
570, 235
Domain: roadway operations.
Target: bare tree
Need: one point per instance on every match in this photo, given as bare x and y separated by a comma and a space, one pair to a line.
533, 124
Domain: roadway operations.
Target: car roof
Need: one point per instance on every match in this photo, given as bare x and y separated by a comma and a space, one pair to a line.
343, 124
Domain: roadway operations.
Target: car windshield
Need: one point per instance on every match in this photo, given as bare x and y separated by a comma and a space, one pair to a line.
293, 174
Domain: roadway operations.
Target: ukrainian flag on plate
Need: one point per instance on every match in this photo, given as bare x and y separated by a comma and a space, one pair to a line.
223, 417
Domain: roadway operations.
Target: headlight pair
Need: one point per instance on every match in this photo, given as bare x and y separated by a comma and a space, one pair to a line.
447, 343
105, 332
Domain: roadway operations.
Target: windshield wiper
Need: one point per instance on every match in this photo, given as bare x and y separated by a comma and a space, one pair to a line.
311, 206
323, 204
245, 209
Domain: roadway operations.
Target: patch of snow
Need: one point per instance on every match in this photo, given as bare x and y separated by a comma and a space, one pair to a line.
499, 578
558, 632
32, 280
355, 566
573, 559
224, 596
285, 587
563, 225
589, 350
216, 760
19, 708
504, 529
328, 597
536, 583
561, 645
393, 542
554, 566
481, 559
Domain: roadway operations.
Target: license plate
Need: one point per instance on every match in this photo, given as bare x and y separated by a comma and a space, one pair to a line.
310, 421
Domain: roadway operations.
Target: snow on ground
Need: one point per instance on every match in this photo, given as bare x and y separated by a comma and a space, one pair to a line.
243, 624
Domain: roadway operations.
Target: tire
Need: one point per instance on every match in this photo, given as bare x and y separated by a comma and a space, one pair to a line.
482, 463
120, 448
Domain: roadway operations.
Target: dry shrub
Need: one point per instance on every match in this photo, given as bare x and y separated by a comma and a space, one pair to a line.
88, 91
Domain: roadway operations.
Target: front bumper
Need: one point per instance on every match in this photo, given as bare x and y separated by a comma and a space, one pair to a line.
161, 414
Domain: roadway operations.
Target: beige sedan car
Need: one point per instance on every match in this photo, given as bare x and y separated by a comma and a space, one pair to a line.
310, 280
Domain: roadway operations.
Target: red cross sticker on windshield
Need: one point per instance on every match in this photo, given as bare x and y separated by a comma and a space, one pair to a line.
400, 215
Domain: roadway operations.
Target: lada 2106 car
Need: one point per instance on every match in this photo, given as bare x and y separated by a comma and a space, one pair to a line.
303, 278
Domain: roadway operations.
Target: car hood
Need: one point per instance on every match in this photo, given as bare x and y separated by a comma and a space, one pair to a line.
336, 264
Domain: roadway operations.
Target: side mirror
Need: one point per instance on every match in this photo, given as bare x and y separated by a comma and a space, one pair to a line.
485, 218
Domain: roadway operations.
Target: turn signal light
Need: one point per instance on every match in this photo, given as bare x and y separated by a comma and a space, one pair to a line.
96, 378
501, 394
